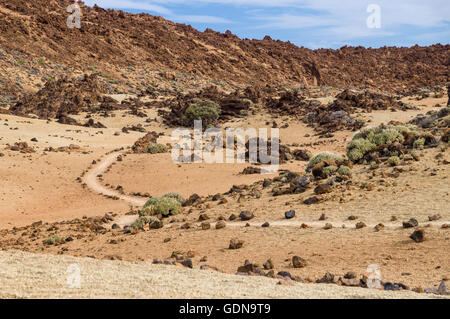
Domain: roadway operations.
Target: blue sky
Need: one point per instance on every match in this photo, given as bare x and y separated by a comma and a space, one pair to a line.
309, 23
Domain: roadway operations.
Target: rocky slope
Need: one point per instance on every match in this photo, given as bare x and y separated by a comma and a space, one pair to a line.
113, 38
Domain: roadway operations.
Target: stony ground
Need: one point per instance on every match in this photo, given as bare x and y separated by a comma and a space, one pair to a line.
25, 275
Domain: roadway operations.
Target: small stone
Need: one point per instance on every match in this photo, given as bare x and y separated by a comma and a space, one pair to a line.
246, 215
268, 264
350, 275
394, 218
418, 236
323, 217
311, 200
298, 262
206, 226
186, 226
232, 217
434, 217
360, 225
327, 226
379, 227
203, 217
284, 274
350, 282
236, 243
304, 226
265, 225
322, 189
187, 263
445, 226
220, 224
289, 214
352, 217
411, 223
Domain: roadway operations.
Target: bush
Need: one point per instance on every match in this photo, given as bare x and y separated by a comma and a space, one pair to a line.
164, 205
419, 143
329, 170
52, 240
323, 157
152, 221
393, 160
175, 195
205, 110
370, 138
154, 148
344, 171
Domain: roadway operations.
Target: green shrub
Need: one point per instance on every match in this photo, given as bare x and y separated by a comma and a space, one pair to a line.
344, 171
393, 160
165, 206
205, 110
175, 195
419, 143
52, 240
370, 138
356, 149
324, 156
154, 148
329, 170
152, 221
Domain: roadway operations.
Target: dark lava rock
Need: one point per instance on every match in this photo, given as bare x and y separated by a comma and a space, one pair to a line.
311, 200
411, 223
418, 236
289, 214
246, 215
284, 274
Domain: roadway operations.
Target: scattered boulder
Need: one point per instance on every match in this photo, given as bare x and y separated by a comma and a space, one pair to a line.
289, 214
268, 264
411, 223
298, 262
246, 215
418, 236
322, 189
220, 224
236, 243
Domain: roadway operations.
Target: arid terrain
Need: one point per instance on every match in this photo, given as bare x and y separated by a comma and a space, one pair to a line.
85, 142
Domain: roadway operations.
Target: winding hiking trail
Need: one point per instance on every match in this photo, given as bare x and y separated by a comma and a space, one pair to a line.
92, 182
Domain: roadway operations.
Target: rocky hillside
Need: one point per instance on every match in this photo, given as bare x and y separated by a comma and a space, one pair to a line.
38, 29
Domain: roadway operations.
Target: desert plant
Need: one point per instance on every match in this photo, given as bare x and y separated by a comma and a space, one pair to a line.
419, 143
329, 170
204, 110
164, 205
177, 196
152, 221
154, 148
323, 157
344, 171
370, 138
52, 240
393, 160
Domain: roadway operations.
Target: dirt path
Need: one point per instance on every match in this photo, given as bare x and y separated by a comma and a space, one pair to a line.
26, 275
92, 182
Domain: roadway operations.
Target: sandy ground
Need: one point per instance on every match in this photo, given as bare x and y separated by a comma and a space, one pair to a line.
43, 186
24, 275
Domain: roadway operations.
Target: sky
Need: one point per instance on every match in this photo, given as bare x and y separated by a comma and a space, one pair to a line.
309, 23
